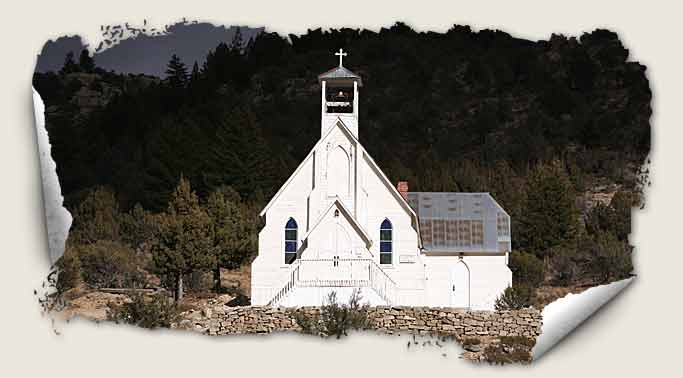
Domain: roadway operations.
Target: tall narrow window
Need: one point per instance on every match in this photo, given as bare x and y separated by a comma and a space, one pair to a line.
385, 242
291, 243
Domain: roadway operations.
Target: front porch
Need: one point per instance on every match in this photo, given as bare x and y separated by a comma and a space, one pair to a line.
310, 280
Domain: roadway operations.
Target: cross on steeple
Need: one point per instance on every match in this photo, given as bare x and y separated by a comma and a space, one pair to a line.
341, 55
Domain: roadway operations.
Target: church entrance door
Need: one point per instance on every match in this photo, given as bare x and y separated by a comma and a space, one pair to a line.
460, 286
338, 254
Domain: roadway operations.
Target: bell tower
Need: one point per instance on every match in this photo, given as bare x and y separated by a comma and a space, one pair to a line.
339, 96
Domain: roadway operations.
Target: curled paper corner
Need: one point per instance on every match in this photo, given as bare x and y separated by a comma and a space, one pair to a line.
564, 315
58, 219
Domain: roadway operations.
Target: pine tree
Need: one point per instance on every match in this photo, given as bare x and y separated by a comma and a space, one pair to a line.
195, 75
69, 64
176, 73
240, 156
96, 218
185, 244
86, 62
550, 216
233, 233
237, 41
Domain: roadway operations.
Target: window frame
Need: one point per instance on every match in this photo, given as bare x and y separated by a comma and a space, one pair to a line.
291, 227
389, 241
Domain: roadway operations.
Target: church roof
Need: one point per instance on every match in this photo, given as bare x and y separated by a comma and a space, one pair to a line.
340, 72
460, 222
338, 204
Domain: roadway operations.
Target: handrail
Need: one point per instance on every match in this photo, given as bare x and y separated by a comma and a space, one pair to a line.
342, 272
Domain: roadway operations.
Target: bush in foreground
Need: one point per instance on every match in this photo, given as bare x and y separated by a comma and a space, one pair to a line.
157, 311
336, 319
515, 298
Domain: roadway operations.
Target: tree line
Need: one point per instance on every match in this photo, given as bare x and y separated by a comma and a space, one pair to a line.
535, 123
108, 248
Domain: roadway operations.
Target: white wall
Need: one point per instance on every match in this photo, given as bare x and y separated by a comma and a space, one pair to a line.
489, 276
338, 166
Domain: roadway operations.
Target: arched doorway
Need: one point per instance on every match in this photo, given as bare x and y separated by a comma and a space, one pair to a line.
460, 285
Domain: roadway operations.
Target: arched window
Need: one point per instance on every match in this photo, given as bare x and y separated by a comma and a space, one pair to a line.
291, 243
385, 242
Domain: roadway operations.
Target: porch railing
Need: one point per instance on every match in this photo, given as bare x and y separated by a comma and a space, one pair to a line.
338, 272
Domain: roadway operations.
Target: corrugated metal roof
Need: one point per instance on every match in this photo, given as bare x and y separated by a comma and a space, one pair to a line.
340, 73
461, 222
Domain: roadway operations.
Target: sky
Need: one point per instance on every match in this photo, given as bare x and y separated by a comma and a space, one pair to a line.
143, 53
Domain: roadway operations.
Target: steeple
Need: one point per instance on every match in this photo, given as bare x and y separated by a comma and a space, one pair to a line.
339, 96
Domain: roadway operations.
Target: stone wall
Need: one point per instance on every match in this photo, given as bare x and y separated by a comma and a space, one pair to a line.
219, 319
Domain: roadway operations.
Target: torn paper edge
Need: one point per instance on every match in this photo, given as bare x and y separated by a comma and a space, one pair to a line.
559, 317
565, 314
58, 219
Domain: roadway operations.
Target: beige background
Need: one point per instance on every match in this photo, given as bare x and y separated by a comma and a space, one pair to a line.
638, 334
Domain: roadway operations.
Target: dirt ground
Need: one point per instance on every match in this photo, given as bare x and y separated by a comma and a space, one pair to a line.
238, 278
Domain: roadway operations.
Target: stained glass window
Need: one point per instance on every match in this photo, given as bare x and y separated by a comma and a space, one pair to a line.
385, 242
291, 243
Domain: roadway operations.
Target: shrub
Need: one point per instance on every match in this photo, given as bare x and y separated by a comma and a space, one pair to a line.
511, 349
109, 264
611, 258
309, 324
527, 269
564, 269
69, 269
515, 298
614, 218
338, 318
154, 312
335, 319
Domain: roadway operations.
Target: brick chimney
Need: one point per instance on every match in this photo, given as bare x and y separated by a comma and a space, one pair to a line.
402, 188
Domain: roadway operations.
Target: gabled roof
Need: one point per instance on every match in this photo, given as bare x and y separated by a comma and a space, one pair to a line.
347, 214
439, 212
339, 123
340, 72
301, 165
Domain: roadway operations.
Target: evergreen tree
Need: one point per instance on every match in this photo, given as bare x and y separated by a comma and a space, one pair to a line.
96, 218
86, 62
69, 64
176, 73
550, 216
195, 75
233, 233
239, 145
185, 242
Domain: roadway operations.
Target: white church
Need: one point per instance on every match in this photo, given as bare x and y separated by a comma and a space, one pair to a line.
339, 224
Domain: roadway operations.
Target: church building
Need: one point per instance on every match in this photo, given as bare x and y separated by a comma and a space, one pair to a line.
338, 224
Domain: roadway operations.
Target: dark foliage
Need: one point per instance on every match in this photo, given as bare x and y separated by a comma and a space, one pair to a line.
108, 264
510, 349
527, 269
534, 123
159, 311
462, 95
69, 269
515, 298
